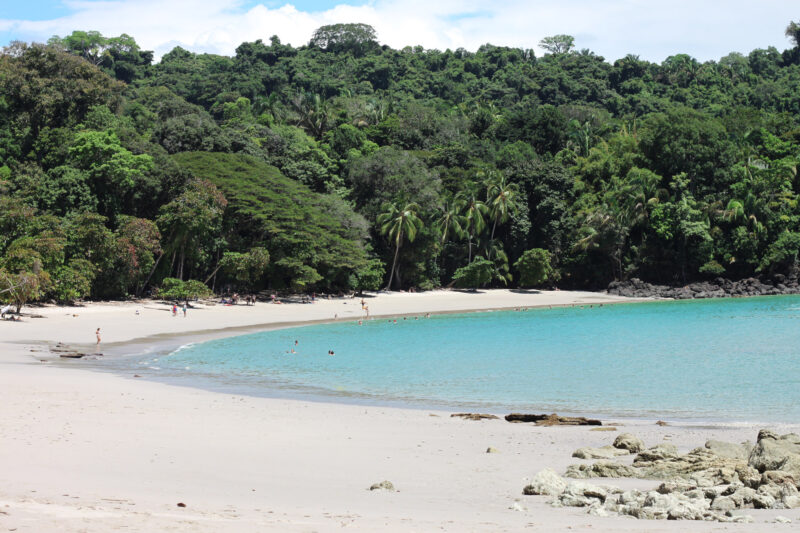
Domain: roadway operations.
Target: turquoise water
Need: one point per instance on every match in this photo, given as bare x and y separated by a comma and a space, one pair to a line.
716, 360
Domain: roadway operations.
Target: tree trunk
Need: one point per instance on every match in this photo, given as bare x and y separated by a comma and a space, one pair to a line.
152, 270
469, 244
394, 266
494, 225
180, 264
172, 262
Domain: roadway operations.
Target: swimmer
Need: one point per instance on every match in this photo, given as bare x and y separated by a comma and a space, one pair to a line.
360, 323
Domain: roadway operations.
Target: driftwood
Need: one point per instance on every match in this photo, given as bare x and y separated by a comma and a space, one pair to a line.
474, 416
553, 420
72, 355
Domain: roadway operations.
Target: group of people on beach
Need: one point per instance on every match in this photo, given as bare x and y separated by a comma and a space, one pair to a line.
249, 299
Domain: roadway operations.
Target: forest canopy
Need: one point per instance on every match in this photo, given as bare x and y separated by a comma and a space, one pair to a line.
345, 164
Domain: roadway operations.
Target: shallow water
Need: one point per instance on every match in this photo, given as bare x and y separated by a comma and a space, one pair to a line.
714, 360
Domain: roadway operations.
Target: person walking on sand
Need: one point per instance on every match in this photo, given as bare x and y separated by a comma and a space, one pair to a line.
184, 310
97, 334
174, 310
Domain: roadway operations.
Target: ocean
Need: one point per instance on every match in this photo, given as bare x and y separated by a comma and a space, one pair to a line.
720, 360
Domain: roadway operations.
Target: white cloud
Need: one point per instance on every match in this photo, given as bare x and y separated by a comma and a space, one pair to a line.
653, 29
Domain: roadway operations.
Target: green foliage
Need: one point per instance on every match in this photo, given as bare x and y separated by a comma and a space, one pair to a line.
534, 267
275, 167
175, 289
370, 276
476, 274
73, 281
782, 253
247, 267
307, 234
712, 268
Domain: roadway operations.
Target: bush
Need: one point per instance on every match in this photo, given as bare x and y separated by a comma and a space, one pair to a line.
175, 289
782, 253
712, 268
534, 268
474, 275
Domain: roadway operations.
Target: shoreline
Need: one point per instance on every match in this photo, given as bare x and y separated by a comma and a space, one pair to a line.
86, 450
162, 344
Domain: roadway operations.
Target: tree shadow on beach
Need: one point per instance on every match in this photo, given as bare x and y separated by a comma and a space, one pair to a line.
469, 291
525, 291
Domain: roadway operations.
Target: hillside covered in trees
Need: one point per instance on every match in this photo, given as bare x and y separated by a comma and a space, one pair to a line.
345, 164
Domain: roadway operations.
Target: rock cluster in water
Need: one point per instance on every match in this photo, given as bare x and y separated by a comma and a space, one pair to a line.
708, 483
718, 288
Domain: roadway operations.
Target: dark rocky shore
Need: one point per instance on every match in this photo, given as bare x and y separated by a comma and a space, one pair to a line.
718, 288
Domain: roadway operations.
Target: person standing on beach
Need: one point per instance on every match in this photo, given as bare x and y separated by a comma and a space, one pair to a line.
184, 310
97, 334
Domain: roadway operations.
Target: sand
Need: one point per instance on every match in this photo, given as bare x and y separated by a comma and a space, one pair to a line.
91, 451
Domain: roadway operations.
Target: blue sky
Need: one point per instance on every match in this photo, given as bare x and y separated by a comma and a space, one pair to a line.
653, 29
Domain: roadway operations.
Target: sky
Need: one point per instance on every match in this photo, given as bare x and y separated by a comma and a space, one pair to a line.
651, 29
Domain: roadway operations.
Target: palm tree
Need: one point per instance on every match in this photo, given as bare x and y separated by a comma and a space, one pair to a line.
493, 251
474, 212
451, 221
501, 197
399, 224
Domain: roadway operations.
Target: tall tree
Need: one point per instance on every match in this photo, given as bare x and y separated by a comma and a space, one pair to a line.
398, 225
475, 211
558, 44
501, 197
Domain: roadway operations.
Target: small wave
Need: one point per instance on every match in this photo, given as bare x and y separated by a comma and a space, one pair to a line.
154, 368
182, 347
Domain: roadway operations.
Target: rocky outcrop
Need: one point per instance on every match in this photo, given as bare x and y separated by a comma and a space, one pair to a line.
553, 420
546, 483
383, 485
629, 443
606, 469
604, 452
715, 482
474, 416
719, 288
779, 454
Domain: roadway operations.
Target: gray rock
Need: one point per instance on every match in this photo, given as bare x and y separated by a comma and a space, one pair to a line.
656, 453
743, 496
730, 450
631, 443
773, 452
580, 494
763, 501
791, 501
546, 482
600, 469
598, 510
604, 452
723, 503
676, 485
383, 485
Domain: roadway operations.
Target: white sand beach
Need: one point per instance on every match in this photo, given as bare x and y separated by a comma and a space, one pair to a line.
88, 451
